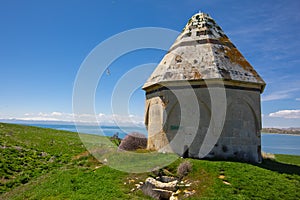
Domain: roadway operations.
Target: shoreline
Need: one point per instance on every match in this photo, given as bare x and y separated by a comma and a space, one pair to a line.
291, 134
290, 131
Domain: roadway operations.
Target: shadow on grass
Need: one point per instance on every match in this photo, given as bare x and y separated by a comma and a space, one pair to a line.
279, 167
268, 164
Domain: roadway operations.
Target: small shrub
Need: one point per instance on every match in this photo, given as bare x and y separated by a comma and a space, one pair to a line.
115, 139
183, 169
116, 142
133, 141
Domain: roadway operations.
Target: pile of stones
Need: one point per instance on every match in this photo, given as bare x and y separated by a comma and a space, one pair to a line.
165, 188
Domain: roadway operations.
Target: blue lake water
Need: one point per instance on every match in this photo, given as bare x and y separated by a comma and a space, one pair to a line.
281, 143
103, 130
271, 143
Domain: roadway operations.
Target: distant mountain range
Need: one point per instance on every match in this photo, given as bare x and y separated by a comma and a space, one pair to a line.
295, 131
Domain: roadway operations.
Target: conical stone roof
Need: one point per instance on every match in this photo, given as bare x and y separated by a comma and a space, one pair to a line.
203, 52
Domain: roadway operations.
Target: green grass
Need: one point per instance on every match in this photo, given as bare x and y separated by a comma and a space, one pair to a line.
288, 159
41, 163
247, 181
28, 152
75, 183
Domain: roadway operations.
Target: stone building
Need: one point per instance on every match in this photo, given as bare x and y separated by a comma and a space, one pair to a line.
203, 99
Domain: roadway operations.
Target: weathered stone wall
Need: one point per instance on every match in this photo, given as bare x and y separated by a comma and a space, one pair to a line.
240, 137
171, 125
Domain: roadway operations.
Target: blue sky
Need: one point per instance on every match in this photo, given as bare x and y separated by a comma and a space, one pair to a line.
43, 44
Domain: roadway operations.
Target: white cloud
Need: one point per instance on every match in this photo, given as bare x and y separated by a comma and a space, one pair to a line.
279, 95
101, 118
41, 114
56, 114
288, 114
101, 114
127, 119
36, 119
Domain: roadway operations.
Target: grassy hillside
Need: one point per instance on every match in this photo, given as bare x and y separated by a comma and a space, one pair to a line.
41, 163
